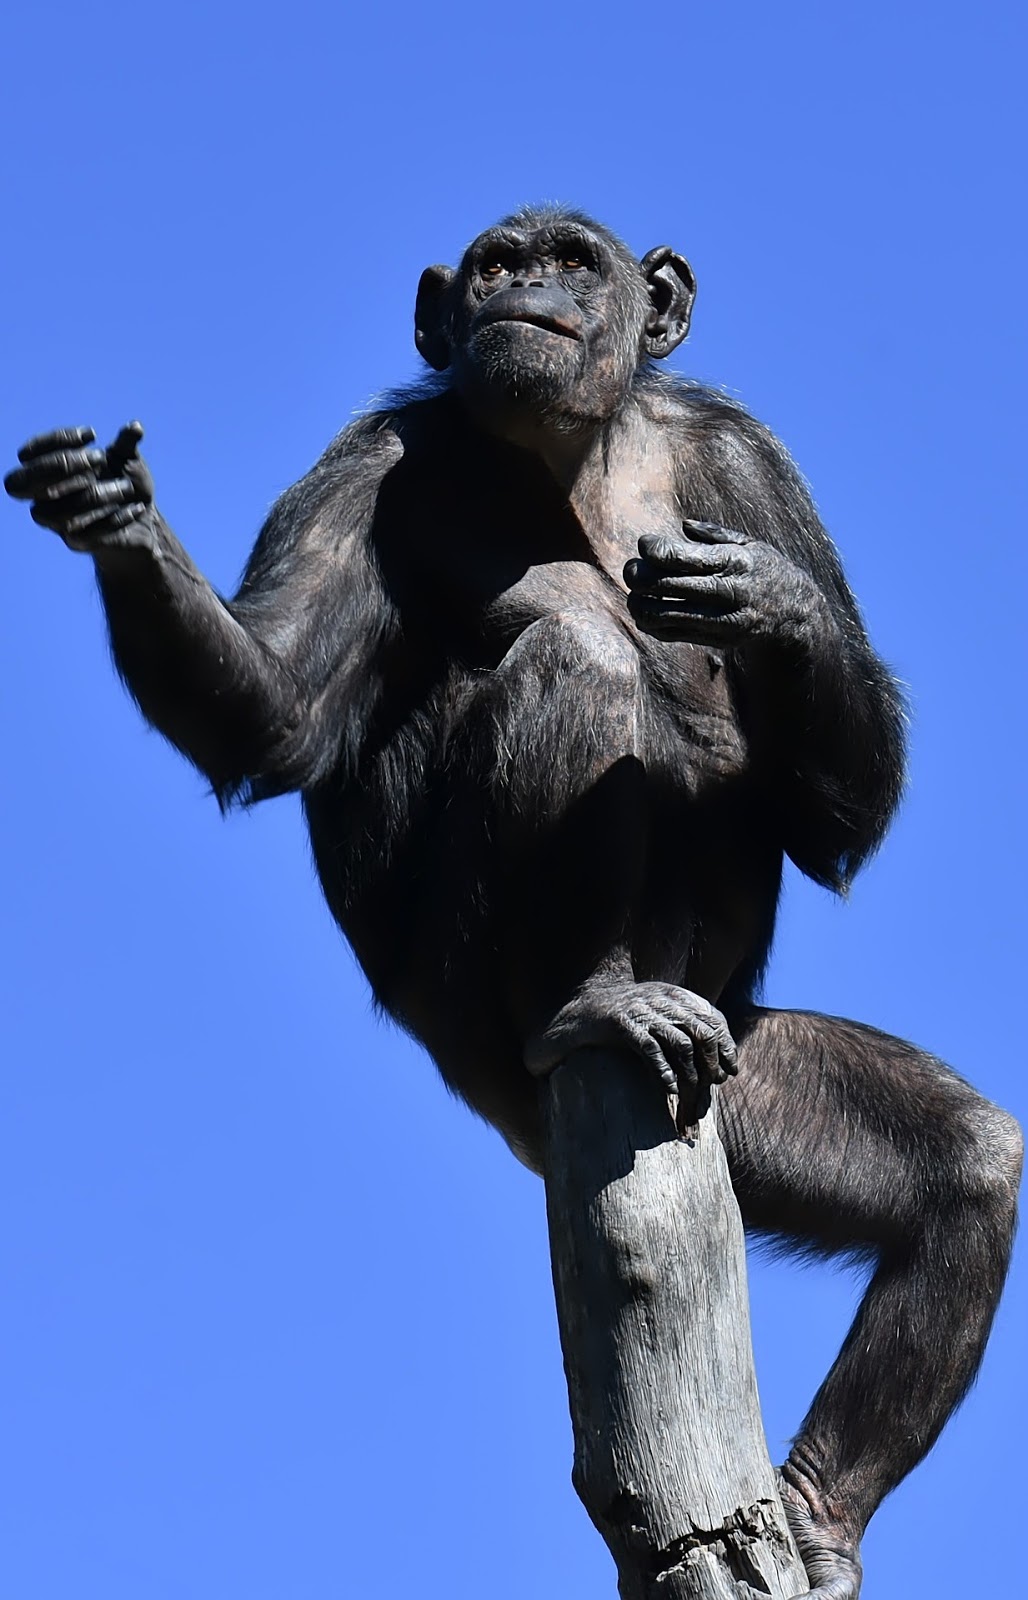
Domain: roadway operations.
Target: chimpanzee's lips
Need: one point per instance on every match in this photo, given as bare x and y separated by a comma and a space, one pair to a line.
550, 322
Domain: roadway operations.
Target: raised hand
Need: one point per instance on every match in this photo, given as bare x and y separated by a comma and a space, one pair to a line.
716, 587
93, 498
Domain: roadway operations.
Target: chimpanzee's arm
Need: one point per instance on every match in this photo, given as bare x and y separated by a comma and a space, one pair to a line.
830, 709
238, 686
209, 683
823, 713
830, 719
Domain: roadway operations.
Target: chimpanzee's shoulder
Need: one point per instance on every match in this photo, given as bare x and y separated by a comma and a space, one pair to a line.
678, 401
715, 429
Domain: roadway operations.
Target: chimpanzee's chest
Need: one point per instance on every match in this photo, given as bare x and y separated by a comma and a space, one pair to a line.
683, 688
472, 565
690, 679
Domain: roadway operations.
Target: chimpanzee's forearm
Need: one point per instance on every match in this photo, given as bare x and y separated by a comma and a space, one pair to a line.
199, 676
833, 717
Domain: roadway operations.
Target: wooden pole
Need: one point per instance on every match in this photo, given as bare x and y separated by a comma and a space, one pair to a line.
649, 1271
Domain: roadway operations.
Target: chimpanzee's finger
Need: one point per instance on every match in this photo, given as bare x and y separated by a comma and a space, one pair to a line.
665, 550
60, 439
670, 621
662, 558
45, 515
680, 1050
125, 446
38, 475
711, 532
66, 486
643, 1039
727, 1050
707, 593
94, 492
105, 520
708, 1061
719, 1058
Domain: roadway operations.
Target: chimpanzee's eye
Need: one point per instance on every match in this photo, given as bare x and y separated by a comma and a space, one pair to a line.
491, 269
572, 263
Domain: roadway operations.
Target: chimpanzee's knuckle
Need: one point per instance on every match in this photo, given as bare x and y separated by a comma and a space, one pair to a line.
62, 464
66, 486
116, 491
49, 468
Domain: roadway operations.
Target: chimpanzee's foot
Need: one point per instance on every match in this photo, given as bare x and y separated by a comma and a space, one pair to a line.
831, 1559
679, 1033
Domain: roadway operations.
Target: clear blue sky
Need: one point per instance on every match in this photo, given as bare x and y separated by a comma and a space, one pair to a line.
278, 1321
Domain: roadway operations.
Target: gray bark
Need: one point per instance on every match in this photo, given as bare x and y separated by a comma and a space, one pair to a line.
649, 1270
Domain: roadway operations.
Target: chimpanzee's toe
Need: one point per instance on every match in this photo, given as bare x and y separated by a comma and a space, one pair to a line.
831, 1559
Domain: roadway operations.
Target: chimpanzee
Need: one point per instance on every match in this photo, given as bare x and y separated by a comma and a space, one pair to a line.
563, 664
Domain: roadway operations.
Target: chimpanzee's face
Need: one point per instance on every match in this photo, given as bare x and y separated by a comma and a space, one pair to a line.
547, 324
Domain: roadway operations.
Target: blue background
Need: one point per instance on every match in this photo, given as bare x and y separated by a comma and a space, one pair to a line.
278, 1320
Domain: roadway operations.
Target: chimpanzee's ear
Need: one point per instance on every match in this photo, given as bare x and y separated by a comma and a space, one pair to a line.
432, 316
672, 287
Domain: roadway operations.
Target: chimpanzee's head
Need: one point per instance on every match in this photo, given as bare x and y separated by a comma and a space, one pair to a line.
548, 319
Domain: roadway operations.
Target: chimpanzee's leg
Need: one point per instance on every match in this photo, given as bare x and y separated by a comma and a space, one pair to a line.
546, 757
572, 720
847, 1139
562, 714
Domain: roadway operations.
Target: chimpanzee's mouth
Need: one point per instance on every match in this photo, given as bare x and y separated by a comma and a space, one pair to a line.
537, 319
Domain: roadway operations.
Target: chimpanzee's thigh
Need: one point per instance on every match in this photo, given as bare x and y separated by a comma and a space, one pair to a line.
843, 1138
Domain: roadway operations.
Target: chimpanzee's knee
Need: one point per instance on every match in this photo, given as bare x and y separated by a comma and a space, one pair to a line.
571, 686
991, 1160
573, 645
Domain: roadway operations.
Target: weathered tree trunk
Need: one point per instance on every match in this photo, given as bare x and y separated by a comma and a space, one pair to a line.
649, 1270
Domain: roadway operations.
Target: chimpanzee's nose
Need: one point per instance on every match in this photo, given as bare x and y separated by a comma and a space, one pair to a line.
524, 280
